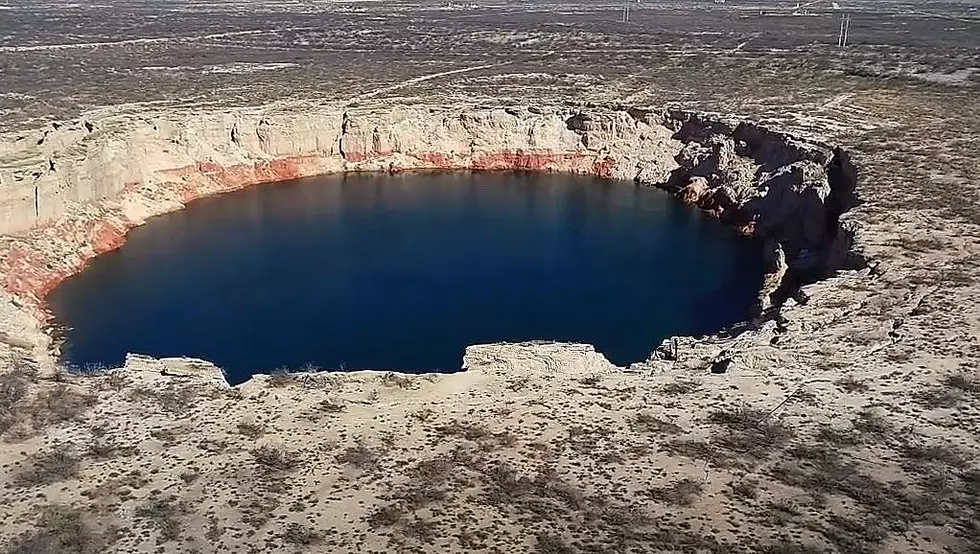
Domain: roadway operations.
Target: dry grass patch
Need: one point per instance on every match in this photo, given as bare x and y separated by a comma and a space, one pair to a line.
282, 377
679, 387
952, 391
852, 384
871, 424
749, 431
164, 515
683, 492
61, 529
49, 466
301, 535
51, 404
386, 516
486, 439
551, 544
649, 423
359, 456
251, 429
173, 399
276, 458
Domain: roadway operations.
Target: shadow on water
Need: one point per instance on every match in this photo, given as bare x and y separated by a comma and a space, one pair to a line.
373, 271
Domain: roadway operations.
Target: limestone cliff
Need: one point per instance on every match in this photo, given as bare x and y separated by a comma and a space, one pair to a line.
71, 191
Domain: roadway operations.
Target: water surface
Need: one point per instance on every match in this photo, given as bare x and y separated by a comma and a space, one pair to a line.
402, 272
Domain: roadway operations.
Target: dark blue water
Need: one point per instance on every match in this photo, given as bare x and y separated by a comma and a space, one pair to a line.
402, 272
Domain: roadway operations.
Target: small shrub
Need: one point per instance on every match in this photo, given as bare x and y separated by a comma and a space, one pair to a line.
806, 397
189, 477
385, 516
310, 367
251, 429
550, 544
433, 470
330, 407
276, 458
105, 449
215, 446
177, 400
421, 530
59, 403
939, 397
486, 439
417, 495
281, 377
518, 384
116, 380
740, 418
48, 467
745, 488
855, 534
359, 456
422, 415
214, 530
700, 450
167, 436
13, 388
62, 530
749, 431
679, 387
781, 512
787, 547
258, 510
918, 455
962, 382
173, 399
466, 431
839, 437
388, 439
164, 515
392, 379
871, 424
852, 384
647, 423
683, 492
301, 535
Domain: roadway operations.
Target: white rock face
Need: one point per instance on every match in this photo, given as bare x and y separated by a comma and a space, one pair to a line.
535, 358
43, 175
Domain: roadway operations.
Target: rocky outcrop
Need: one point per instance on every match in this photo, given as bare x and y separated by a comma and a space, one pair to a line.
187, 370
71, 191
536, 356
768, 184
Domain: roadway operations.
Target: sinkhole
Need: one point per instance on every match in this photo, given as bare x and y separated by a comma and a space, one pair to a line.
402, 272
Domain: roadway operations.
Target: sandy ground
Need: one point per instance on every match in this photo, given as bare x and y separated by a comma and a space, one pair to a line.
847, 424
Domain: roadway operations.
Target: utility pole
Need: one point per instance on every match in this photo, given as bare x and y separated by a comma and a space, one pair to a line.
626, 13
840, 34
845, 26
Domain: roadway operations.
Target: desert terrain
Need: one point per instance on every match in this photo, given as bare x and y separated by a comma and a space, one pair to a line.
843, 417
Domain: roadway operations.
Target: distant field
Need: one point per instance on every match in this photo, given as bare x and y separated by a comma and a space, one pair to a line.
59, 59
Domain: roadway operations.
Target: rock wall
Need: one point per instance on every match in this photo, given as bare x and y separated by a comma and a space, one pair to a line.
72, 191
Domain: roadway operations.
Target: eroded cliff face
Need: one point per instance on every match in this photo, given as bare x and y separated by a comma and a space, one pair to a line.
70, 192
